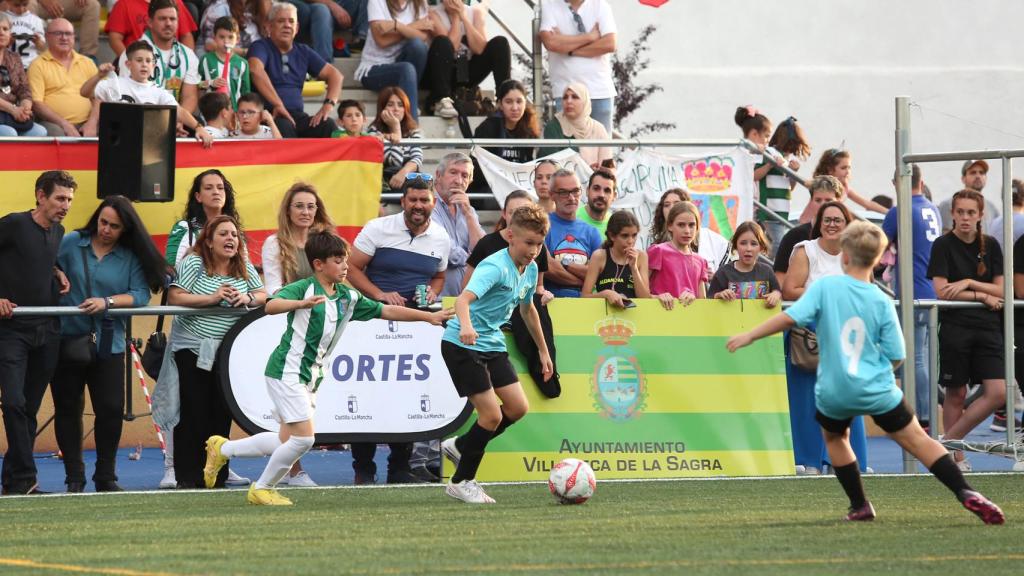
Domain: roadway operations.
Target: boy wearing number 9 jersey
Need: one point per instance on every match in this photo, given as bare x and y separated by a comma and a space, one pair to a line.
861, 344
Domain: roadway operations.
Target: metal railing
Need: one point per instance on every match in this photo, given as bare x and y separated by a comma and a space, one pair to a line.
904, 158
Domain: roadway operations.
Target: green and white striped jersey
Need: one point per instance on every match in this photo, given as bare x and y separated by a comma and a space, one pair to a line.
179, 241
312, 333
192, 278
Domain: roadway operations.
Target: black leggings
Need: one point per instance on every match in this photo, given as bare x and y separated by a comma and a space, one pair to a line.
204, 413
105, 379
439, 77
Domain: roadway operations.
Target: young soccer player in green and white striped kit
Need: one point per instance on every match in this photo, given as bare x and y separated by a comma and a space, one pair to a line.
318, 308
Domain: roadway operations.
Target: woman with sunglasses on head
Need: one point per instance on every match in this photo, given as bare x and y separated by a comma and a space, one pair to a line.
967, 266
16, 117
394, 122
839, 163
813, 259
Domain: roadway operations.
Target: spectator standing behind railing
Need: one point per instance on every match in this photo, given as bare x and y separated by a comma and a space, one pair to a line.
575, 122
822, 189
396, 48
128, 21
927, 227
393, 123
677, 271
252, 19
618, 271
29, 242
16, 117
1018, 215
967, 265
570, 242
302, 212
85, 12
710, 245
973, 176
747, 277
601, 193
515, 118
839, 163
461, 56
124, 268
580, 37
776, 188
216, 273
279, 67
56, 78
812, 259
542, 173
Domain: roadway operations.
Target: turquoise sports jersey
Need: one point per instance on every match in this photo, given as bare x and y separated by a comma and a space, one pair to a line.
499, 288
858, 339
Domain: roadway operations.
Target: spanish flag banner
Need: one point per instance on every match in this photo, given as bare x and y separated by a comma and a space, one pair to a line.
346, 173
650, 393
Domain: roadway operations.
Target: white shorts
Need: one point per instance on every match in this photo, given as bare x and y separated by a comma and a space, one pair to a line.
293, 402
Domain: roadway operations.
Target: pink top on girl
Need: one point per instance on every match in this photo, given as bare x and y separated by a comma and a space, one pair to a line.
673, 272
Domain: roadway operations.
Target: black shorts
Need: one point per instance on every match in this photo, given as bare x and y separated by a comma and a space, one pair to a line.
968, 354
473, 372
892, 421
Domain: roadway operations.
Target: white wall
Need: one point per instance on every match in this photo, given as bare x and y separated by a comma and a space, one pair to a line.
837, 67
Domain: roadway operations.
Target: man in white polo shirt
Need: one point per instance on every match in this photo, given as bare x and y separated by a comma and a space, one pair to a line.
580, 38
391, 256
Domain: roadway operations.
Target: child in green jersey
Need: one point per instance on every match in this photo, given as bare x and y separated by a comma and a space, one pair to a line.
319, 308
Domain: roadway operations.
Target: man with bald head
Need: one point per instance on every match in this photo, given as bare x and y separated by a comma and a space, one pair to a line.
55, 79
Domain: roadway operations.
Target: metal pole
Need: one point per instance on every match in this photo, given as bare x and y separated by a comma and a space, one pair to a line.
538, 64
905, 241
1008, 311
933, 371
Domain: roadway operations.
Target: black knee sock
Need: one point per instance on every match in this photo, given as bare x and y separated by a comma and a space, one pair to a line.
849, 479
474, 442
946, 470
505, 423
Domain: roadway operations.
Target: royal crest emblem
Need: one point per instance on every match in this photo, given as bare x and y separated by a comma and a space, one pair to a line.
617, 384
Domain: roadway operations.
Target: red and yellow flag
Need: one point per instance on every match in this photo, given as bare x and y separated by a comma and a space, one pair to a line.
346, 173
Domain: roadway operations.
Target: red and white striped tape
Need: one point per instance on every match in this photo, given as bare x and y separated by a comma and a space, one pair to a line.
149, 401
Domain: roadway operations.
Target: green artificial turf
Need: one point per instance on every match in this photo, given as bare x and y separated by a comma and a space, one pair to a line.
695, 527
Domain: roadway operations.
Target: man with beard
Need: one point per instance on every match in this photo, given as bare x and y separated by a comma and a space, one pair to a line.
454, 213
974, 176
600, 196
29, 242
570, 242
390, 257
175, 65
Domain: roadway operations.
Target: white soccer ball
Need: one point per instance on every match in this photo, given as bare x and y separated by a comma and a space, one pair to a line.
572, 481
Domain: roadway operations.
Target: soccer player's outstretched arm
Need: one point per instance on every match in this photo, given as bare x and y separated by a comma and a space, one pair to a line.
773, 325
284, 305
532, 319
403, 314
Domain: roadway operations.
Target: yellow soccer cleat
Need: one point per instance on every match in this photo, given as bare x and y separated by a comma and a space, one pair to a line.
266, 497
214, 460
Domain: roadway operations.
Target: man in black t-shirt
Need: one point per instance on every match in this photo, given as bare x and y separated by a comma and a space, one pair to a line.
29, 242
823, 189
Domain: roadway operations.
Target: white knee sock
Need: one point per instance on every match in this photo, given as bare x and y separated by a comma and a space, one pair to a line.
262, 444
282, 459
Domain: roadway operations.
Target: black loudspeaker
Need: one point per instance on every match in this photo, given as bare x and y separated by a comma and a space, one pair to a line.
137, 151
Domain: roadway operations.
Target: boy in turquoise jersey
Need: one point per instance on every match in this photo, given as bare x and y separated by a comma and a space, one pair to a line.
473, 347
214, 77
319, 308
860, 345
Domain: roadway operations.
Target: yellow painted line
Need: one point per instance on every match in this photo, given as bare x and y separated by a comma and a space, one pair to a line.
21, 563
673, 393
579, 317
522, 466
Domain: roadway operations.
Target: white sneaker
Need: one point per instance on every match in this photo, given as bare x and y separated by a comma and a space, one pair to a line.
445, 108
300, 480
236, 480
809, 471
469, 492
451, 452
168, 481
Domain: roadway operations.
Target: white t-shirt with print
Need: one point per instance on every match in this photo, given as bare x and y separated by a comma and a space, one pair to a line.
27, 26
264, 133
374, 54
218, 133
121, 89
595, 72
171, 68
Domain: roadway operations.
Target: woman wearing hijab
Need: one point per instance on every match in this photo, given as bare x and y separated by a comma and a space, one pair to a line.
574, 122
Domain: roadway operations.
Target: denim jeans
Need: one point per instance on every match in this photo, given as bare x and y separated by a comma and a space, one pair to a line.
357, 10
405, 72
35, 130
600, 110
316, 25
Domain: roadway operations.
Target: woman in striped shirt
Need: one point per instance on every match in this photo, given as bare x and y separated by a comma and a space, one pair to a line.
215, 273
395, 121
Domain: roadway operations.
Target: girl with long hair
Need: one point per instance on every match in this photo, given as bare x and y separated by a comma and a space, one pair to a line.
775, 188
515, 118
211, 195
618, 271
677, 271
395, 121
747, 277
839, 163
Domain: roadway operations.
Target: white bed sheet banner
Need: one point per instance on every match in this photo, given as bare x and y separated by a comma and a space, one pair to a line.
504, 177
383, 377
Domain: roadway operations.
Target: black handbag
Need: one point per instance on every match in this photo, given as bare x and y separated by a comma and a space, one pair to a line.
156, 345
80, 349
